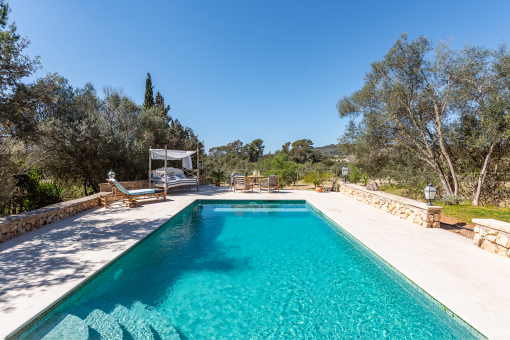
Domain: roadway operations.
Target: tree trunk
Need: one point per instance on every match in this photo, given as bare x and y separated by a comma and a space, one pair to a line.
448, 161
453, 173
483, 174
94, 186
444, 181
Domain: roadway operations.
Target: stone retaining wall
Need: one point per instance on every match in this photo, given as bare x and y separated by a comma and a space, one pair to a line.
129, 185
19, 224
407, 209
492, 235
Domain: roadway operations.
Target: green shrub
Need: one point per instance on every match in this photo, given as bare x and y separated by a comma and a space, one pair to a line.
354, 174
32, 192
282, 166
364, 179
451, 200
218, 175
316, 178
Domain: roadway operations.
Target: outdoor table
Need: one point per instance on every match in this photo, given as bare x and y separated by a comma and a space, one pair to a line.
255, 178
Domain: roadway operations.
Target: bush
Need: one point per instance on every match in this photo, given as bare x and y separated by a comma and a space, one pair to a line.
32, 192
282, 166
218, 176
317, 178
354, 174
364, 179
451, 200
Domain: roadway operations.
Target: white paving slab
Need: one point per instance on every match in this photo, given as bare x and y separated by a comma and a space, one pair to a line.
38, 268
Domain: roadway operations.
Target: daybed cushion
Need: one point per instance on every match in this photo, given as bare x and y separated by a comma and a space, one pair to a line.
175, 178
181, 181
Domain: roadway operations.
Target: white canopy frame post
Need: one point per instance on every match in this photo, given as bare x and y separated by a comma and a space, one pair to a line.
166, 182
198, 167
150, 172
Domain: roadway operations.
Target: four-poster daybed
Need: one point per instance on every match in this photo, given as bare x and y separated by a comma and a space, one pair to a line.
169, 177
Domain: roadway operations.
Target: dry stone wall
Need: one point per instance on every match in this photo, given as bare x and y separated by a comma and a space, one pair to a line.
129, 185
19, 224
493, 236
407, 209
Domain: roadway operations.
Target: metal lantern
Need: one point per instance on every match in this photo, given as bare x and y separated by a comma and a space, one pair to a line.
345, 172
200, 165
111, 175
430, 193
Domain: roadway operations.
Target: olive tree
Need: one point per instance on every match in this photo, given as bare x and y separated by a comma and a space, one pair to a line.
407, 99
483, 80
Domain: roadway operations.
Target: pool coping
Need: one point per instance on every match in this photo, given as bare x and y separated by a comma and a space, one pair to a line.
54, 305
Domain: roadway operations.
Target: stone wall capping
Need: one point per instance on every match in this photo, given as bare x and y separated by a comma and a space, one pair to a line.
414, 211
493, 224
407, 201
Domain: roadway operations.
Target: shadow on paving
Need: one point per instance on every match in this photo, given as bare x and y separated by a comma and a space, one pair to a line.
49, 256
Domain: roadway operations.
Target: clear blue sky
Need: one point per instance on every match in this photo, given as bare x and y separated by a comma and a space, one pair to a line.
243, 69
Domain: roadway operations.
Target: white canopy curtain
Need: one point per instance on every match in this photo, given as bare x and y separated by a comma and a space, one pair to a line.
171, 155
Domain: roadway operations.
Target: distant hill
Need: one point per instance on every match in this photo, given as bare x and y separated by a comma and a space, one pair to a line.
330, 150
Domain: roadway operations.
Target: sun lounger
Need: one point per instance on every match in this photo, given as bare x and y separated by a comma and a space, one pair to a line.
119, 193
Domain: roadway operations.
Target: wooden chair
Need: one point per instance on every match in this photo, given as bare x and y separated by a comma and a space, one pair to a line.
233, 180
240, 183
119, 193
272, 182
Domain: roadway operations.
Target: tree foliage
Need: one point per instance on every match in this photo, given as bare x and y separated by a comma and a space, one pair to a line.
432, 112
149, 94
85, 135
249, 152
19, 105
287, 162
159, 102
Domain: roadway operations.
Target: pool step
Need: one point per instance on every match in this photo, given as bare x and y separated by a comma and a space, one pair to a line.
134, 324
70, 327
105, 324
137, 321
164, 329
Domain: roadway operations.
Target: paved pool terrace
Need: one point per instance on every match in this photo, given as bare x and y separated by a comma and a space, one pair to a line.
38, 268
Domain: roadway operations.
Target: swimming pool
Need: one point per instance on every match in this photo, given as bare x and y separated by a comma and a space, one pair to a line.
250, 270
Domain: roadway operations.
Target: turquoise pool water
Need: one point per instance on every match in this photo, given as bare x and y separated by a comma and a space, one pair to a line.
259, 270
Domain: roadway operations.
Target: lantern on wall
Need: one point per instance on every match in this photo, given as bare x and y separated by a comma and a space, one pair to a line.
345, 172
200, 165
111, 175
430, 193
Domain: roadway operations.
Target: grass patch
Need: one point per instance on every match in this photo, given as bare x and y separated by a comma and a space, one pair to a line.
403, 192
466, 213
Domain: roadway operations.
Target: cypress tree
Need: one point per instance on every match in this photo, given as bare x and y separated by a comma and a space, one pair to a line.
149, 95
160, 102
